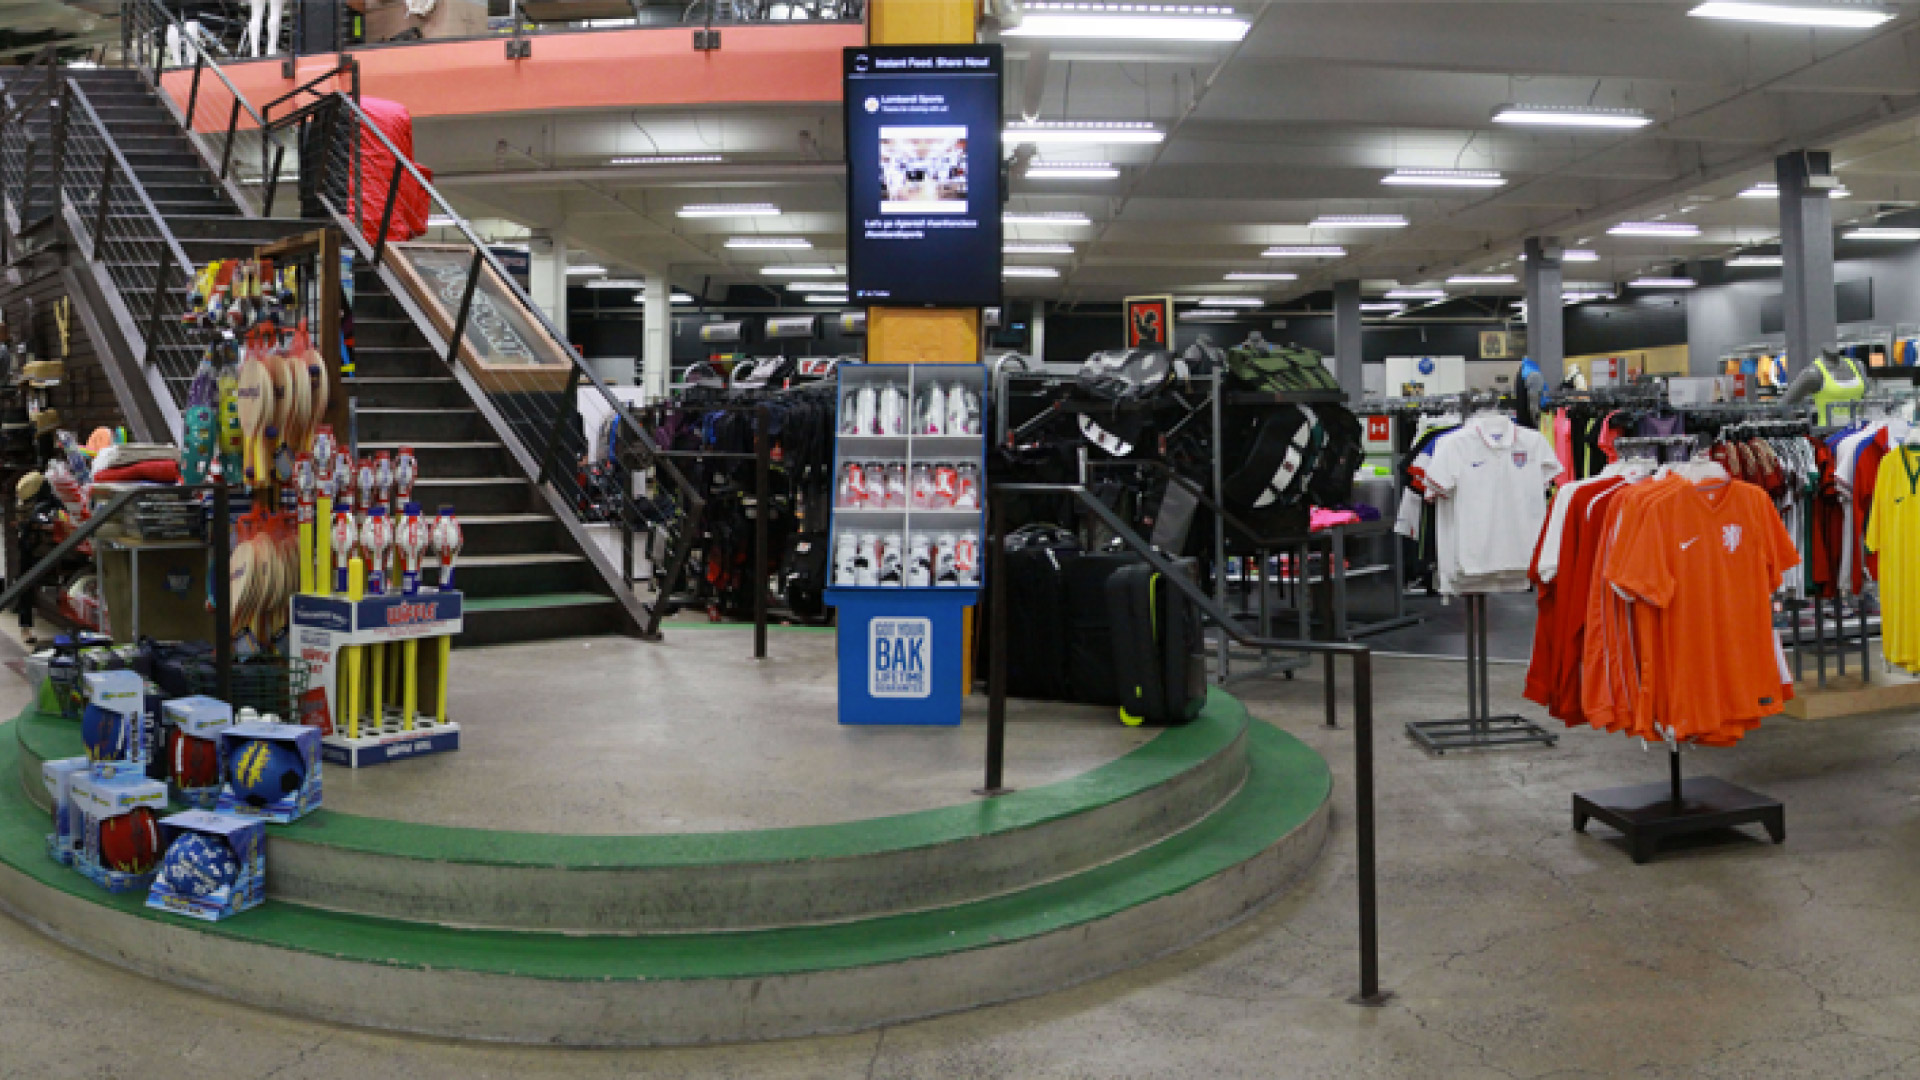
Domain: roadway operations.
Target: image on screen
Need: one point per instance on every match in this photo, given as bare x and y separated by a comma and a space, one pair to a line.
923, 170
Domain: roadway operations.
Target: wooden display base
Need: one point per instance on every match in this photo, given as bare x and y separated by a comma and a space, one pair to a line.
1848, 696
389, 741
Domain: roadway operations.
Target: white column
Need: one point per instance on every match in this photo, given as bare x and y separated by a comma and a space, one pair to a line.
547, 279
657, 335
1037, 327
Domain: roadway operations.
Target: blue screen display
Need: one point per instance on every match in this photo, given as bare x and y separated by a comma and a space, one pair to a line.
923, 175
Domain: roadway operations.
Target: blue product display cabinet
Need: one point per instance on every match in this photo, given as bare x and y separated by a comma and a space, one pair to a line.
909, 514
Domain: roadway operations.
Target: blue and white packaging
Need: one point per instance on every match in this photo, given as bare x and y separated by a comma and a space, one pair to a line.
124, 693
300, 740
244, 838
67, 836
197, 717
99, 798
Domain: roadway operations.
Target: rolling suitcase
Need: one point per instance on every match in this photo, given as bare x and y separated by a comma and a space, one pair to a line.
1090, 671
1038, 557
1158, 646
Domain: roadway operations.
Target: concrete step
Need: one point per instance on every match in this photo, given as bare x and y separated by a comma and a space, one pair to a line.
506, 620
698, 986
454, 424
237, 229
410, 392
525, 573
506, 533
395, 362
480, 457
470, 495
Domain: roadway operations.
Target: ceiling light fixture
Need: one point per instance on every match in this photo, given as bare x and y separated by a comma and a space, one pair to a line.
1875, 232
822, 298
1584, 297
1570, 116
1253, 275
1071, 170
1663, 283
617, 283
770, 243
667, 159
1416, 294
1212, 313
803, 271
1230, 301
1019, 248
1045, 217
709, 210
1444, 178
1305, 251
1030, 272
1769, 190
1756, 261
1482, 279
1132, 22
677, 298
815, 286
1358, 221
1579, 255
585, 270
1081, 132
1391, 309
1830, 16
440, 221
1655, 228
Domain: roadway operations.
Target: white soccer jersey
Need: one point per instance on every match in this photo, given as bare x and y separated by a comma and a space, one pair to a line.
1494, 475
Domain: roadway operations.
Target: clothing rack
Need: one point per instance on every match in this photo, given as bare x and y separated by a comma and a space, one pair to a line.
1480, 729
1646, 814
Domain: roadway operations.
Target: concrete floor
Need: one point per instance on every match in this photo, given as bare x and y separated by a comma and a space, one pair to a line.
1515, 947
693, 735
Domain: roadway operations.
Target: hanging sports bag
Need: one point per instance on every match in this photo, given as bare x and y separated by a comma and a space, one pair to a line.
1271, 369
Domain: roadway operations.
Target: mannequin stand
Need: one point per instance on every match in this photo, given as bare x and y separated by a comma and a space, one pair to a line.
1480, 728
1646, 814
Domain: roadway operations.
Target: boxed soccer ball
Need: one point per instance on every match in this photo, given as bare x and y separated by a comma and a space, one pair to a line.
120, 829
272, 771
114, 723
66, 837
215, 865
192, 727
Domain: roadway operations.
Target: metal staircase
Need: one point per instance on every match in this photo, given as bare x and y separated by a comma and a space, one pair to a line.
100, 161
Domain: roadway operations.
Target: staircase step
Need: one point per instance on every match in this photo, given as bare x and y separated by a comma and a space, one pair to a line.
505, 534
443, 459
238, 229
413, 392
429, 425
390, 332
505, 620
474, 494
597, 989
526, 572
395, 361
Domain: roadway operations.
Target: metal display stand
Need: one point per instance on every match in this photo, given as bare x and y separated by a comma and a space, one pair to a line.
1647, 814
1480, 728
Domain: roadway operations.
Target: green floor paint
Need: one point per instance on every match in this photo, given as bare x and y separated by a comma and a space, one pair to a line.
1287, 783
535, 600
1173, 752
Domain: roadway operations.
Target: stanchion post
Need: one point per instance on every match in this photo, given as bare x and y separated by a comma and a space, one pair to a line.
761, 452
1333, 717
996, 649
1370, 992
222, 591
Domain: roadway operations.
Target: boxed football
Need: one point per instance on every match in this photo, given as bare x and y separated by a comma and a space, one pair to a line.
120, 829
272, 771
215, 865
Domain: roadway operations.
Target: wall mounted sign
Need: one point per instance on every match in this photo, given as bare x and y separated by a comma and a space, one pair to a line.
503, 343
1149, 322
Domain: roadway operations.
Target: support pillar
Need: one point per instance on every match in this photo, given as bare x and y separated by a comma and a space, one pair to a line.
656, 344
1347, 342
547, 277
1546, 309
1806, 249
1037, 331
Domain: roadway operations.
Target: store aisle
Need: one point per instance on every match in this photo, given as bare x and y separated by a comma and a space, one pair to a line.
1516, 948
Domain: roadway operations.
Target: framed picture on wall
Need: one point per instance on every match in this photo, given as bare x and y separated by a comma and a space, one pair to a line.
1149, 322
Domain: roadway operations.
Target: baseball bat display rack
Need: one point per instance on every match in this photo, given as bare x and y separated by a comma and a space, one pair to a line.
368, 662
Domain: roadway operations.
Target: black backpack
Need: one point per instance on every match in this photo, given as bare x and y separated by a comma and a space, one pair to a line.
1342, 451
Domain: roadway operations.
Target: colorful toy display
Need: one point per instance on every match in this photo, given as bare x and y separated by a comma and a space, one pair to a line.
266, 771
197, 866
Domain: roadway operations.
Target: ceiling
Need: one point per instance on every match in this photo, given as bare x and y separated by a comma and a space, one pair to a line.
1301, 118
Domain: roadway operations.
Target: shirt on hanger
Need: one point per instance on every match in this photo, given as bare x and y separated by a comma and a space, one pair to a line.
1492, 475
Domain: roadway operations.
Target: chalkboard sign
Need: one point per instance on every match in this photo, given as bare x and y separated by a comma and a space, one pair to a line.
503, 344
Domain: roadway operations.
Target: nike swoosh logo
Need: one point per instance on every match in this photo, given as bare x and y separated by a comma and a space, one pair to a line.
1689, 543
1477, 464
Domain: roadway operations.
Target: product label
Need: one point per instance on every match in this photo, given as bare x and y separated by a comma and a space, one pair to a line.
900, 658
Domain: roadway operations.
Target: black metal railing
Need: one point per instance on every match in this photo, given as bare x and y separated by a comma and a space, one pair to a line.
1360, 655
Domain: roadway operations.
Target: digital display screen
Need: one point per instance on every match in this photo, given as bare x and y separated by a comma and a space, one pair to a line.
923, 175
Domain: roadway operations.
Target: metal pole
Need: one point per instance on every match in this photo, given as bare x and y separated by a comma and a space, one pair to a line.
222, 592
1333, 719
106, 200
466, 308
761, 499
233, 130
193, 94
1673, 774
1370, 993
996, 648
386, 215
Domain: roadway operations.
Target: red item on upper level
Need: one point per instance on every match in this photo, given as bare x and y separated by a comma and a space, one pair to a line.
412, 204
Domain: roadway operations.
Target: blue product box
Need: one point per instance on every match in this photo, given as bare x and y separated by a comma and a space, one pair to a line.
302, 742
67, 836
246, 838
99, 799
122, 692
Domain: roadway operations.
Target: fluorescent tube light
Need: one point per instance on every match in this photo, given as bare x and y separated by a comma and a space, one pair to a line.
1305, 251
1482, 279
815, 286
706, 210
1131, 22
616, 283
440, 221
1391, 309
1583, 297
1082, 132
1416, 294
1359, 221
666, 159
1030, 272
585, 270
1231, 301
1654, 228
1251, 275
1045, 217
770, 243
1875, 232
1446, 178
803, 271
1212, 313
677, 298
1071, 170
1663, 283
822, 298
1769, 190
1570, 116
1833, 16
1750, 261
1015, 247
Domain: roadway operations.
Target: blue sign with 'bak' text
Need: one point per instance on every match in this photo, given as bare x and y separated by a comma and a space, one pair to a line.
900, 657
